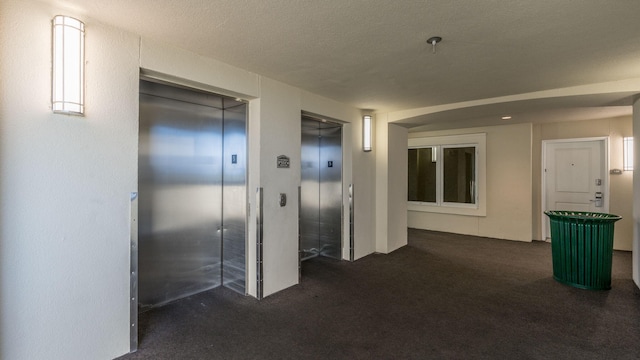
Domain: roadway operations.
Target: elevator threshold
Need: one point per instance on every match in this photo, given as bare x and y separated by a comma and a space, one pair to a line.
307, 254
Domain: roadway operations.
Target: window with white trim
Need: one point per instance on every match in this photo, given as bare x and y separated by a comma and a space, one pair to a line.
446, 174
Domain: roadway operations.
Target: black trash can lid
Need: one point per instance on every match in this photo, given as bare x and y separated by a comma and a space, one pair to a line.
581, 215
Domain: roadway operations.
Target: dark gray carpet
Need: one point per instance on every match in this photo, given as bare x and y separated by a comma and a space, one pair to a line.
444, 296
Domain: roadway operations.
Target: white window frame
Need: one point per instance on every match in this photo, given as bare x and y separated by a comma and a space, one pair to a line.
454, 141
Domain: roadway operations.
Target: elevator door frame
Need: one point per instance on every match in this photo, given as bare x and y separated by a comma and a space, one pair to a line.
332, 124
134, 215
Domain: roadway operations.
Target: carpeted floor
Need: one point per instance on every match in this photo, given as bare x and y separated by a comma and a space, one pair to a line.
444, 296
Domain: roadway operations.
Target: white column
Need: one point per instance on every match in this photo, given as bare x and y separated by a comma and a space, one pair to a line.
391, 185
397, 187
382, 182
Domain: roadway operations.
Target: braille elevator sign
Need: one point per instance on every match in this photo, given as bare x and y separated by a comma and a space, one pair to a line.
283, 162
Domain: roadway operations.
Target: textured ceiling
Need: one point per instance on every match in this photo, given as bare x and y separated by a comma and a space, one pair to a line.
373, 54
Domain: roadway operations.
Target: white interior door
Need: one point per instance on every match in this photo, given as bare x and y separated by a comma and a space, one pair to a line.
575, 177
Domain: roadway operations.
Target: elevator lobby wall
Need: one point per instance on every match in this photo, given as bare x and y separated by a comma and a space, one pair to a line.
66, 180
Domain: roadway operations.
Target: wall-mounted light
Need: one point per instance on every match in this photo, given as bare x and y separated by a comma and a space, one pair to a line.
627, 153
366, 133
67, 88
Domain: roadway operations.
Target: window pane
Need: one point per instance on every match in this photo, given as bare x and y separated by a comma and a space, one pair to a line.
422, 175
459, 175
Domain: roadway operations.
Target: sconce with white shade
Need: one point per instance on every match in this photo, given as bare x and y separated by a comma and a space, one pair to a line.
366, 133
627, 153
67, 88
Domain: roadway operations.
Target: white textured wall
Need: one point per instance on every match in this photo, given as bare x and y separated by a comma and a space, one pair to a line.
174, 64
508, 188
65, 193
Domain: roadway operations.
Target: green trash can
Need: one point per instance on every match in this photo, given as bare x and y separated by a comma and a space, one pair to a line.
582, 248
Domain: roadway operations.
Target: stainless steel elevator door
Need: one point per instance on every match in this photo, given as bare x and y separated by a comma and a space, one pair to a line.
182, 154
234, 198
331, 192
309, 190
321, 189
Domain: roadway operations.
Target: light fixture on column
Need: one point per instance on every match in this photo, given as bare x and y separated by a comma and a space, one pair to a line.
627, 153
366, 133
67, 89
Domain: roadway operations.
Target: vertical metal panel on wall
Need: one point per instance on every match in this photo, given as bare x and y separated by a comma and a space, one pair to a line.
351, 223
259, 237
133, 271
300, 252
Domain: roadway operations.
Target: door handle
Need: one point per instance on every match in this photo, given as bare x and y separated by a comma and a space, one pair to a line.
598, 199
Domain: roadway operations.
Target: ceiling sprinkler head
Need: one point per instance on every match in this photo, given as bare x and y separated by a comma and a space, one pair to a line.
433, 41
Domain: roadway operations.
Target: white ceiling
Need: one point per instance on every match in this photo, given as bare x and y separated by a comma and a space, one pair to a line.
373, 54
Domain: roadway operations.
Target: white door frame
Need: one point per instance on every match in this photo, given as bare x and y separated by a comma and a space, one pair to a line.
605, 179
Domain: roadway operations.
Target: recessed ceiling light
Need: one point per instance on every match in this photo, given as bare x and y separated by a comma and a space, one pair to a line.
507, 117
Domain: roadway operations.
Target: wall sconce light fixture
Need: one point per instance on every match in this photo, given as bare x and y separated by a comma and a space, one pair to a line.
627, 147
67, 88
366, 133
